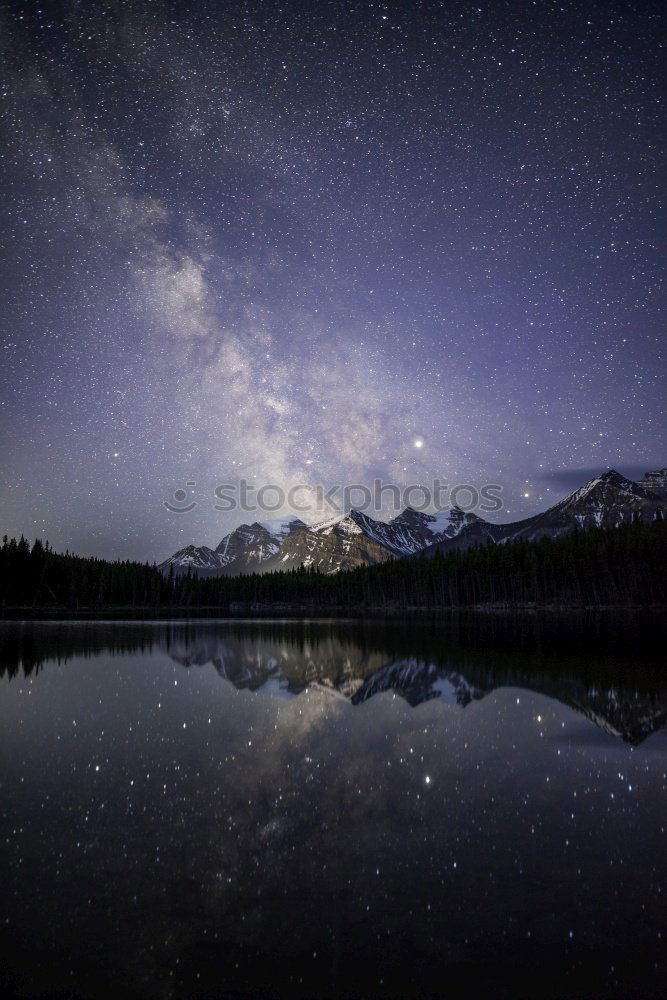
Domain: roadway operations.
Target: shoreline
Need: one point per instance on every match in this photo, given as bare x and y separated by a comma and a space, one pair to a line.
301, 611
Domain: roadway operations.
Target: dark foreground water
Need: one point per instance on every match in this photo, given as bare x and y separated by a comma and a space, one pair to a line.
333, 809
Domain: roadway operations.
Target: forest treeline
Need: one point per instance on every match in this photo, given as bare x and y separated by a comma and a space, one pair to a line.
621, 566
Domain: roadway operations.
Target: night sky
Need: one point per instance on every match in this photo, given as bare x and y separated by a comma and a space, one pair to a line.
321, 243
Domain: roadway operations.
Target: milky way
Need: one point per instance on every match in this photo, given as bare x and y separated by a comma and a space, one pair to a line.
321, 243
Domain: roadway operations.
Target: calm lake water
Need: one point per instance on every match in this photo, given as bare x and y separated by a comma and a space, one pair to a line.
333, 809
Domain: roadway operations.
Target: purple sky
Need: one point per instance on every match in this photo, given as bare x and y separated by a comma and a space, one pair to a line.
321, 243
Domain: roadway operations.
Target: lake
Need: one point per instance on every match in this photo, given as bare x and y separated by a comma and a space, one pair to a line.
474, 806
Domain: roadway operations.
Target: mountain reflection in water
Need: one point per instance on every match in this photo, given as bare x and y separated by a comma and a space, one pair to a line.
610, 671
470, 807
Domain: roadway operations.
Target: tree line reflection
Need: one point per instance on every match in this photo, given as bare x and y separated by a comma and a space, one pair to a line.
612, 671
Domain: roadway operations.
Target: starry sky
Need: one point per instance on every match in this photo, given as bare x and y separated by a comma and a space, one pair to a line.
286, 242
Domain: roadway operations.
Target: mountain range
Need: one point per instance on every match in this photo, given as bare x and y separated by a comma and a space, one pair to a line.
355, 539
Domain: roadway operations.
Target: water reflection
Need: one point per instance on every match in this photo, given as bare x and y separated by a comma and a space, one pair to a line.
332, 809
609, 671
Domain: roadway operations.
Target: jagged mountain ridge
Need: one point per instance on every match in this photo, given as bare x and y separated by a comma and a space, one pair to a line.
412, 530
359, 540
351, 541
199, 559
356, 539
243, 550
248, 546
607, 501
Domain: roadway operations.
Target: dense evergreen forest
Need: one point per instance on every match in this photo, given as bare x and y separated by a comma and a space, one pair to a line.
622, 566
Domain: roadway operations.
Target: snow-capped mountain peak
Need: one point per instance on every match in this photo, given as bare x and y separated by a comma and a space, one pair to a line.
249, 545
355, 538
413, 530
198, 559
281, 527
601, 489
